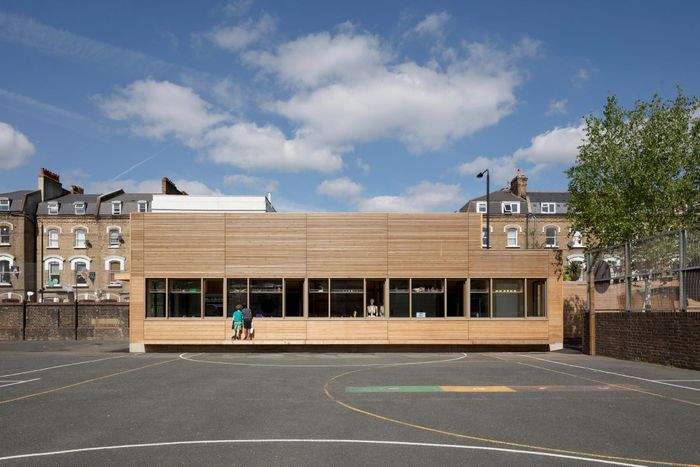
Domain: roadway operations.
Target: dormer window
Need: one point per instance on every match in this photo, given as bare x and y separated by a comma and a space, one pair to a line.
116, 208
4, 204
481, 206
510, 208
79, 208
142, 206
549, 208
53, 209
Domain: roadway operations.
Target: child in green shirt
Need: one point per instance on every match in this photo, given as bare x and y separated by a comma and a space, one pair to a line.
237, 324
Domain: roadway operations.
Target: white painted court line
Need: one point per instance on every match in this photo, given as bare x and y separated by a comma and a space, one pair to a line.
12, 383
61, 366
677, 380
318, 441
613, 373
280, 365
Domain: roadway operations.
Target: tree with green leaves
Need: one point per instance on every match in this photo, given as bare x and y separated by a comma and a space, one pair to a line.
638, 171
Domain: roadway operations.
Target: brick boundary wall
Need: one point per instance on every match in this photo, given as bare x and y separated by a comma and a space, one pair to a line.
49, 321
667, 338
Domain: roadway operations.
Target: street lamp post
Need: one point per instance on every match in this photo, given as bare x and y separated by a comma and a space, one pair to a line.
488, 208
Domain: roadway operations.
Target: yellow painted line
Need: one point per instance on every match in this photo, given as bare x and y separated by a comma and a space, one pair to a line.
49, 391
477, 389
479, 438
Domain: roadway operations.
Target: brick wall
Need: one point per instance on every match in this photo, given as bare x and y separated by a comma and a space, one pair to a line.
666, 338
48, 321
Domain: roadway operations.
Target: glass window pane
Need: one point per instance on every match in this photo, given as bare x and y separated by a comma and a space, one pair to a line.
266, 297
80, 273
537, 298
428, 296
375, 298
237, 295
455, 297
155, 298
479, 298
508, 298
293, 298
346, 298
398, 298
214, 297
184, 298
318, 298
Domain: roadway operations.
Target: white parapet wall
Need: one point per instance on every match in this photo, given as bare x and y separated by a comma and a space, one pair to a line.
187, 203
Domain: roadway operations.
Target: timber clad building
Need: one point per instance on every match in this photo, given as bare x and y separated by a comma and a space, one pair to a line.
337, 278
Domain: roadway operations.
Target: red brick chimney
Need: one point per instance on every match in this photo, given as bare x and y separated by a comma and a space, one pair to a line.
50, 185
76, 190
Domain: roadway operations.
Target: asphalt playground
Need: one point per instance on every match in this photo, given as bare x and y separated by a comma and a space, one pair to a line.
82, 403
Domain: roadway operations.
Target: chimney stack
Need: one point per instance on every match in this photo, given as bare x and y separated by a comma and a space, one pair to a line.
76, 190
50, 185
169, 188
518, 186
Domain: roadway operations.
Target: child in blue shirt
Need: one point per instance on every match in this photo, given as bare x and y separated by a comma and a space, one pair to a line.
237, 324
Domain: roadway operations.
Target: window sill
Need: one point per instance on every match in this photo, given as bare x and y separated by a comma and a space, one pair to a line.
114, 285
80, 248
81, 286
5, 244
513, 246
115, 246
5, 284
52, 247
55, 286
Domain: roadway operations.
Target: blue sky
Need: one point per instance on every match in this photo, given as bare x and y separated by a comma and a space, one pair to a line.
347, 106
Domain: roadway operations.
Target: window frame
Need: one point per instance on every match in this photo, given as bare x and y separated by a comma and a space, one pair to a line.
5, 273
142, 203
117, 239
5, 204
511, 210
551, 208
76, 243
547, 229
80, 205
52, 208
480, 205
56, 263
116, 208
509, 228
48, 240
6, 241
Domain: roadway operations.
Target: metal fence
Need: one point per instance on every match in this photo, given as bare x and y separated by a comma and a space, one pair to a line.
659, 273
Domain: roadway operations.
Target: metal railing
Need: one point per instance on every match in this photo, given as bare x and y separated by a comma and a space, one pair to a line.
659, 273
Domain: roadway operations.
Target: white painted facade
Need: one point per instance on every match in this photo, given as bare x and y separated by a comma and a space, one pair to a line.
187, 203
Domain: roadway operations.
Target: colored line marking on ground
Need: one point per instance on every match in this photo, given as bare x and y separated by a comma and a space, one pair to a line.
481, 389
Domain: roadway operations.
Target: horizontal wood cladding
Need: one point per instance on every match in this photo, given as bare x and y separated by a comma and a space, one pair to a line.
293, 330
428, 245
184, 245
413, 330
346, 245
508, 330
266, 245
184, 330
346, 330
506, 264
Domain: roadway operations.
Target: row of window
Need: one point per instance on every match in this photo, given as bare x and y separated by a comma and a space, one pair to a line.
513, 207
81, 267
347, 298
80, 236
80, 206
550, 240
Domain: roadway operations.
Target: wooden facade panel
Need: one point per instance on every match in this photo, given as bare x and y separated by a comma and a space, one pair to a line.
508, 330
137, 293
278, 330
428, 245
185, 330
417, 330
347, 330
346, 245
185, 245
266, 245
509, 264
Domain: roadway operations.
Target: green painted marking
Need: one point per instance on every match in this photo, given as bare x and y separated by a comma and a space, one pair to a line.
393, 389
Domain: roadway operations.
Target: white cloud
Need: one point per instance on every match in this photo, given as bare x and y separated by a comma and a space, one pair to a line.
353, 93
250, 146
15, 148
559, 145
363, 166
432, 25
556, 146
259, 184
557, 107
238, 8
527, 48
320, 59
581, 76
342, 189
161, 108
424, 197
192, 187
243, 35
